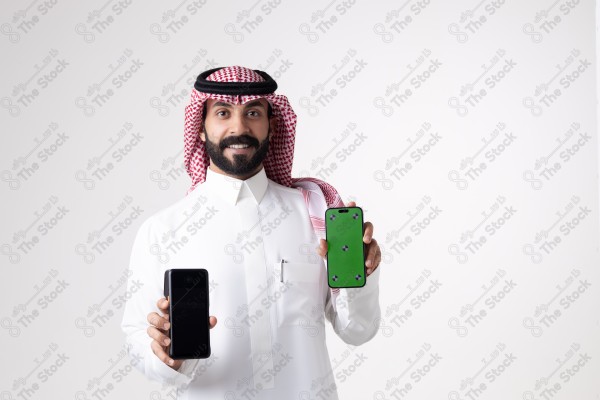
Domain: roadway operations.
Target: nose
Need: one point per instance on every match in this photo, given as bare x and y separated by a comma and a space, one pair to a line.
237, 125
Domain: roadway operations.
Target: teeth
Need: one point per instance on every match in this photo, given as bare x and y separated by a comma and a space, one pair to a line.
238, 146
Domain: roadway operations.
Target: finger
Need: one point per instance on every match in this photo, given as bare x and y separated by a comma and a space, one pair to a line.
160, 353
370, 262
163, 304
377, 258
158, 321
212, 321
322, 248
368, 232
377, 262
158, 336
351, 204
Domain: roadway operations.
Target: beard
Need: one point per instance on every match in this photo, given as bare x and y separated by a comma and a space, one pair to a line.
241, 164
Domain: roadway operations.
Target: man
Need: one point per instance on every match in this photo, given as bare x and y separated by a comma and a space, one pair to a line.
260, 234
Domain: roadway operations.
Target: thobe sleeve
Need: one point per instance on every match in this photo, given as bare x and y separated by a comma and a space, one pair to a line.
354, 313
146, 275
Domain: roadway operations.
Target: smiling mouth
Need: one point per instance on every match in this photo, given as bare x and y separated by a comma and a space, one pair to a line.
239, 148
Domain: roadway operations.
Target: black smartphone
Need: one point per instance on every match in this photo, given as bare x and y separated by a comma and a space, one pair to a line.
187, 292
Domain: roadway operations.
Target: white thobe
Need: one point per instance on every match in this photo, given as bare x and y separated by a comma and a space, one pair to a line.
268, 290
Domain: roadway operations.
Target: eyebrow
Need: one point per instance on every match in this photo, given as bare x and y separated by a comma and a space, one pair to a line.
253, 103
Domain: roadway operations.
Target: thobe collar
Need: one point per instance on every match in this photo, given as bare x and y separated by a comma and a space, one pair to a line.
233, 190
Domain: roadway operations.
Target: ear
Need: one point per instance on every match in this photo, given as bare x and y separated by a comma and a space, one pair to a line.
202, 134
273, 126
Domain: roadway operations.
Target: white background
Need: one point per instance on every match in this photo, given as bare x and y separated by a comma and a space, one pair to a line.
61, 285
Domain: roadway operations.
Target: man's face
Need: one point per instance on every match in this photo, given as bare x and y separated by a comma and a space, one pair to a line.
237, 136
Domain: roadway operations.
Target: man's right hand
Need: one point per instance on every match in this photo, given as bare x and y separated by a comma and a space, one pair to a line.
158, 329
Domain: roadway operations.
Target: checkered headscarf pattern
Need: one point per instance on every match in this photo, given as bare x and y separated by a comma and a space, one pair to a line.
277, 164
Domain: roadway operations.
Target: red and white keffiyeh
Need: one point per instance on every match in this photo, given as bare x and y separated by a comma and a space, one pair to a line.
318, 195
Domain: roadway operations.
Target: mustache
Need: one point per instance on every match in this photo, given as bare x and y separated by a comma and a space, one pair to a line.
242, 139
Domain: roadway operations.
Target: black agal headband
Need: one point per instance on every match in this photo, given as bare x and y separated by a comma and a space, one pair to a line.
235, 88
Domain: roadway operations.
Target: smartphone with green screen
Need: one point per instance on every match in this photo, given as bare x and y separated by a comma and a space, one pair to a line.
345, 247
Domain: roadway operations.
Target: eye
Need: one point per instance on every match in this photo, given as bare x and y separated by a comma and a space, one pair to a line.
221, 113
254, 113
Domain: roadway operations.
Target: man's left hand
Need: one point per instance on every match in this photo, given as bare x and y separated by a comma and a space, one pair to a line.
373, 256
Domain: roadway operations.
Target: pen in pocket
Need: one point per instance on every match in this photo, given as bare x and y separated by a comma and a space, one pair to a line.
281, 270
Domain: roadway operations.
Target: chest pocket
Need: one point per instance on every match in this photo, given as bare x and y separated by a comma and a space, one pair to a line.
299, 295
